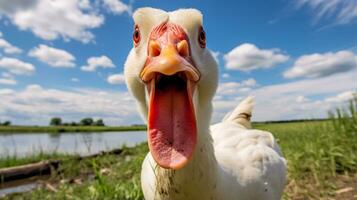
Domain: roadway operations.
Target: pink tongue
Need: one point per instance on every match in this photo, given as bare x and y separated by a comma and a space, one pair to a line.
172, 132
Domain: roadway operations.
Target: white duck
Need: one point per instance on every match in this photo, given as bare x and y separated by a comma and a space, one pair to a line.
173, 77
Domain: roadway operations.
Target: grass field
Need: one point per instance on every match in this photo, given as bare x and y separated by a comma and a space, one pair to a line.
322, 158
61, 129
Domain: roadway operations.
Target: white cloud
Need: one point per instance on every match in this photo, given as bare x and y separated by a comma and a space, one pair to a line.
9, 48
36, 105
84, 4
52, 56
4, 92
244, 89
339, 11
326, 85
116, 79
49, 20
6, 75
96, 62
235, 88
76, 80
279, 102
301, 99
248, 57
320, 65
342, 97
116, 7
250, 82
15, 66
228, 88
8, 81
225, 75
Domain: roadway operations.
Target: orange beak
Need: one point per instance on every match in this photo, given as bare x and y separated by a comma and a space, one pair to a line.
169, 60
171, 77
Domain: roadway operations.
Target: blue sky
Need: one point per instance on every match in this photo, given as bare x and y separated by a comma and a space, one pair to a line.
65, 58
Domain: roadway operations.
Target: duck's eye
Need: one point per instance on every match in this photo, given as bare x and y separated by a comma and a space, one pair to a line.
202, 38
136, 36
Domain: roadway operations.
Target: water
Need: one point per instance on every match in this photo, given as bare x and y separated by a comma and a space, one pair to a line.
17, 189
25, 144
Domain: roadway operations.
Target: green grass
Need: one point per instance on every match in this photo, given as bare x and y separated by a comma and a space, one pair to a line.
60, 129
122, 180
10, 161
317, 154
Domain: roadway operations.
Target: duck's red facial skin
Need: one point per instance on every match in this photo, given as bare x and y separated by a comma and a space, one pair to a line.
168, 33
169, 53
171, 77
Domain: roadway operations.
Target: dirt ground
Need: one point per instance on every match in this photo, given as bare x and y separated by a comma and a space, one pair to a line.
346, 188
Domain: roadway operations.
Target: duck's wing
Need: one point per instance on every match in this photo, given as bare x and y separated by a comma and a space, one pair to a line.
251, 158
242, 113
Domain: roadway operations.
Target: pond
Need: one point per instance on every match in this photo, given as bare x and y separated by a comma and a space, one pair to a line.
24, 144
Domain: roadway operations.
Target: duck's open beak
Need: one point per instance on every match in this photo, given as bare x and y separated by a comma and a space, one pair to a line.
171, 78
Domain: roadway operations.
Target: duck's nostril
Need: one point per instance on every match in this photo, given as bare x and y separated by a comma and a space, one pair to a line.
154, 49
182, 48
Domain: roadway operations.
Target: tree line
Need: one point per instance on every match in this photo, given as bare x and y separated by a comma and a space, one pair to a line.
57, 121
5, 123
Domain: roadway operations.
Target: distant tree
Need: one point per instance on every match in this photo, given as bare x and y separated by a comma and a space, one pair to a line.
74, 124
56, 121
87, 122
6, 123
135, 125
99, 122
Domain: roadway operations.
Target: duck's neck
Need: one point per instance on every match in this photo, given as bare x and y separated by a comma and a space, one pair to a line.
200, 174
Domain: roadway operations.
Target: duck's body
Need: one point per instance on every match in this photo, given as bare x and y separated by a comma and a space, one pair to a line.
173, 77
240, 163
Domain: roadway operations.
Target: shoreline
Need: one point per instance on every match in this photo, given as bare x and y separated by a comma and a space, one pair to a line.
84, 129
67, 129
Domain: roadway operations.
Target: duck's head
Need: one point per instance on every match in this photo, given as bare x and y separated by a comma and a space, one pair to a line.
173, 77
